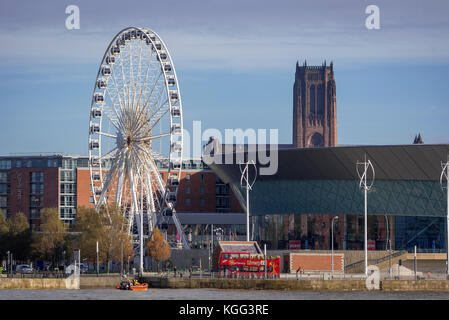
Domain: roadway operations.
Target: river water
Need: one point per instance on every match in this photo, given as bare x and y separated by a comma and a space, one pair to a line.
214, 294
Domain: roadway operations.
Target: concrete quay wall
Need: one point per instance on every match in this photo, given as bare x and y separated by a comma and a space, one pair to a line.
84, 282
251, 284
102, 282
318, 285
38, 283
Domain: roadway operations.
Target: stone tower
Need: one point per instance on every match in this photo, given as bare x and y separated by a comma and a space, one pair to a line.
314, 106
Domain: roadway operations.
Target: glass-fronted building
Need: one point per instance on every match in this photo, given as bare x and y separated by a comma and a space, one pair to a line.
295, 206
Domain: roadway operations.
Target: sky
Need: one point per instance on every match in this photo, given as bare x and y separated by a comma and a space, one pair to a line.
235, 62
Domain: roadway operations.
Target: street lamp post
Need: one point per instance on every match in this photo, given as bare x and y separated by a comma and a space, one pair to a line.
367, 165
445, 175
332, 245
98, 270
121, 267
245, 176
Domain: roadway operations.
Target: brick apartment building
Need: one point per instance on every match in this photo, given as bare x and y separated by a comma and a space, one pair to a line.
30, 183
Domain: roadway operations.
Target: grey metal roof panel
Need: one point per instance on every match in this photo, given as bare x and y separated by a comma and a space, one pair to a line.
397, 162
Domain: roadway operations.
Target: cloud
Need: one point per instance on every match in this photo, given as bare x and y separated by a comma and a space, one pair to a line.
244, 36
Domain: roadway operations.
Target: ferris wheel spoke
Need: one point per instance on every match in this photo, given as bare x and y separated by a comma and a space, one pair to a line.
148, 102
143, 89
160, 94
120, 178
107, 135
148, 138
108, 182
153, 168
117, 92
155, 122
109, 155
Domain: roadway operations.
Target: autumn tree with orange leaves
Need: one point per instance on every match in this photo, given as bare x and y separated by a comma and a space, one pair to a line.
158, 247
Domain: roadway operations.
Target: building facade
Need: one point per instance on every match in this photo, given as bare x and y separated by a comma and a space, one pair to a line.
29, 184
295, 207
314, 125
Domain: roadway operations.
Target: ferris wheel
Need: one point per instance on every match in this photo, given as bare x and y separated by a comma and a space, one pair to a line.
135, 132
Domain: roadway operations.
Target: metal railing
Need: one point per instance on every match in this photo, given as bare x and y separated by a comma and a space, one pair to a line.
37, 275
375, 261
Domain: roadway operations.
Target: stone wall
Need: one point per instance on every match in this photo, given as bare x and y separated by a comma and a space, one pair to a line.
38, 283
319, 285
84, 282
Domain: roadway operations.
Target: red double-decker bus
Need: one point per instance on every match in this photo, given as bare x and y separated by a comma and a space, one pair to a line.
246, 265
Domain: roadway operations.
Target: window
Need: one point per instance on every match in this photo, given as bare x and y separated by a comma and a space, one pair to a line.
37, 188
5, 164
91, 200
3, 202
3, 176
36, 201
201, 202
188, 201
188, 177
202, 190
37, 176
52, 163
201, 177
188, 189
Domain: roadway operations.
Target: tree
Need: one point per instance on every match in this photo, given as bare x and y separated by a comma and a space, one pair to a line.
88, 223
114, 234
108, 227
158, 247
19, 224
48, 242
4, 225
4, 233
19, 237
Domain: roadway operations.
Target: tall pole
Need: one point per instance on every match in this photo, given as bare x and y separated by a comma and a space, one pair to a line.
248, 187
445, 174
390, 269
265, 254
447, 218
415, 262
332, 243
366, 225
367, 165
141, 244
247, 204
98, 270
211, 247
121, 266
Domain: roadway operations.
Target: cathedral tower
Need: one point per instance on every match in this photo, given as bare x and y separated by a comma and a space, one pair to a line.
314, 106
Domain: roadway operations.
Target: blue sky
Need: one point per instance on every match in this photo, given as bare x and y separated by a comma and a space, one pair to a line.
235, 62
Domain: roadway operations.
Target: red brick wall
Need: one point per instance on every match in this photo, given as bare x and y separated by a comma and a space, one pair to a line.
83, 193
316, 262
20, 189
195, 184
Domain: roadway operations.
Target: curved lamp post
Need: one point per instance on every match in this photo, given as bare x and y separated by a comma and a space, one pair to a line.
248, 186
365, 185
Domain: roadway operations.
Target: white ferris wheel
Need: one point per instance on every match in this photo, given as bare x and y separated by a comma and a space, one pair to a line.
135, 130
